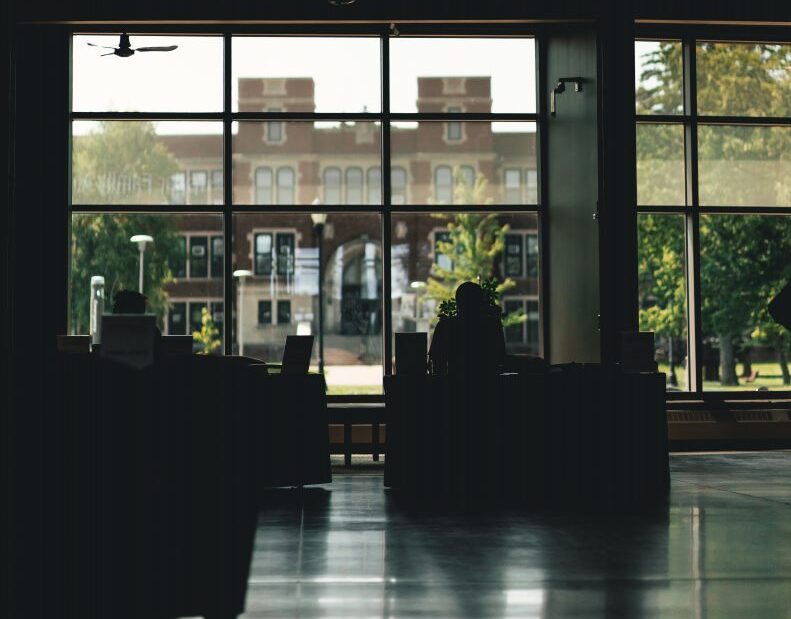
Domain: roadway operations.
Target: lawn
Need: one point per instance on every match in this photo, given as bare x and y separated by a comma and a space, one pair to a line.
768, 376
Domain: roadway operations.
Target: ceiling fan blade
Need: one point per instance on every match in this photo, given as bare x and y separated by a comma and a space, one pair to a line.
168, 48
104, 46
110, 54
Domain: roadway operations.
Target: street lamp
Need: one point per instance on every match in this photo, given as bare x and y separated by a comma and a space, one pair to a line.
242, 275
319, 219
142, 241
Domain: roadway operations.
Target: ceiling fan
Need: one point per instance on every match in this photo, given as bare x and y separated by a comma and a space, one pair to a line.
124, 49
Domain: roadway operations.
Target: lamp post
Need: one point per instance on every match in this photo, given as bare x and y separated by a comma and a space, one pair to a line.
142, 241
319, 219
242, 275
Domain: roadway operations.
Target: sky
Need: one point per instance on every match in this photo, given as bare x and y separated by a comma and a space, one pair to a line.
346, 72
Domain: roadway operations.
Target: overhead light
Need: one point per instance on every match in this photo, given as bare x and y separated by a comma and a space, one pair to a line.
242, 273
318, 219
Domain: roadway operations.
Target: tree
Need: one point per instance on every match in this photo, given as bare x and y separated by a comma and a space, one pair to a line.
661, 282
743, 258
209, 335
475, 243
100, 242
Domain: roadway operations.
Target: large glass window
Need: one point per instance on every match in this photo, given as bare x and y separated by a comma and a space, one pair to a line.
713, 180
305, 139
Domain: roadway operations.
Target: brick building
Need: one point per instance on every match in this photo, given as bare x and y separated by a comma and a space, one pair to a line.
281, 164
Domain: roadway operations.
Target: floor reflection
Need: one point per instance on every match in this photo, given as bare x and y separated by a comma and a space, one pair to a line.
349, 550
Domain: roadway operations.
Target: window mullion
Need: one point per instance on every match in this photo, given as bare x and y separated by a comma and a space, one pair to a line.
692, 222
387, 302
227, 198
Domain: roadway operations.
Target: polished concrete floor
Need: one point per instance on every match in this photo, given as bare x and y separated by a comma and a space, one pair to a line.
722, 549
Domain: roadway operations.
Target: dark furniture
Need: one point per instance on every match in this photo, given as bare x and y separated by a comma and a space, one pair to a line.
575, 436
155, 476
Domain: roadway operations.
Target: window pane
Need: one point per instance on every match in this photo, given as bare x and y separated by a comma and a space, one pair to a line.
306, 74
263, 185
488, 150
420, 281
354, 186
374, 190
744, 166
141, 162
398, 185
351, 277
660, 165
662, 292
198, 257
196, 315
217, 255
265, 312
263, 253
308, 165
101, 247
744, 262
179, 265
744, 79
476, 75
659, 77
187, 79
332, 186
177, 319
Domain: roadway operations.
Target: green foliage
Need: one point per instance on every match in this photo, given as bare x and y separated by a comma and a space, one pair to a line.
100, 243
475, 242
209, 336
745, 260
120, 162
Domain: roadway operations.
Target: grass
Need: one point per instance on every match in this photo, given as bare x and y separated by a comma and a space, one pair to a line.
768, 376
354, 389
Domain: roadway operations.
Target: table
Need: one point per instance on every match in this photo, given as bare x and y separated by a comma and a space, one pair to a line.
578, 435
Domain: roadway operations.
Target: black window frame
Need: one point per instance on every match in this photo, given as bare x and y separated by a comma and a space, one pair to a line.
394, 196
692, 211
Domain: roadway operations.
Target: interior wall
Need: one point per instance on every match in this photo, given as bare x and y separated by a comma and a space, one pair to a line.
573, 232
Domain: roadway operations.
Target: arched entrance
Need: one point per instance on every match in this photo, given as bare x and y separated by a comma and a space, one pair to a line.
353, 280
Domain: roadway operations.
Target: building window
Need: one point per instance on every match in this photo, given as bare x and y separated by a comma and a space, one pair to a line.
513, 186
263, 254
442, 260
264, 313
177, 188
531, 242
263, 186
285, 253
374, 193
274, 128
453, 130
532, 186
443, 184
283, 312
217, 194
282, 245
520, 254
196, 315
177, 319
398, 186
354, 186
514, 256
180, 267
217, 316
199, 185
467, 177
523, 335
285, 186
198, 257
332, 186
217, 255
